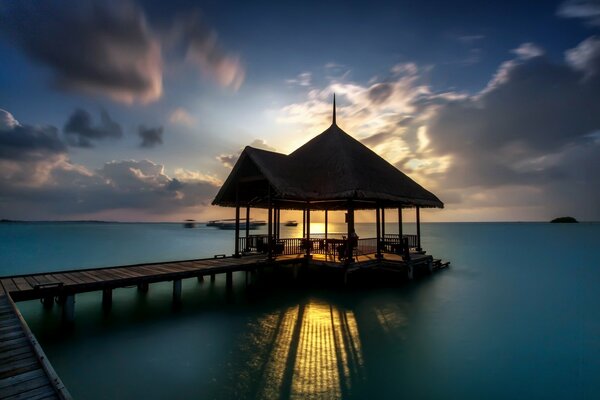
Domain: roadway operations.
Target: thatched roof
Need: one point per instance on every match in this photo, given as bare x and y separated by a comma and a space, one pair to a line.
328, 171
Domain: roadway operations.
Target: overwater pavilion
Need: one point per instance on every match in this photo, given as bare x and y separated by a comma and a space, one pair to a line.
331, 172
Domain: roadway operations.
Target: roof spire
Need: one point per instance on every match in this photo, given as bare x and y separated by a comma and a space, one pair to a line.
333, 109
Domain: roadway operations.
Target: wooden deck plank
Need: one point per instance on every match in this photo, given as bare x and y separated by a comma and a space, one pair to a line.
22, 284
23, 366
38, 393
9, 285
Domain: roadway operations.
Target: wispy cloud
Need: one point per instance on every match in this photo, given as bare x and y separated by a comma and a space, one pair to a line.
180, 116
587, 10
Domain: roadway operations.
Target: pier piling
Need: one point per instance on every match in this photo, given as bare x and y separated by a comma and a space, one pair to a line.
177, 291
143, 287
69, 308
106, 298
229, 280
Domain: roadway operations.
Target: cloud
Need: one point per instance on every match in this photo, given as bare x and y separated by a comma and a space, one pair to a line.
90, 47
202, 48
150, 136
39, 181
110, 49
81, 132
7, 121
587, 10
27, 142
229, 160
180, 116
303, 79
528, 50
586, 56
522, 143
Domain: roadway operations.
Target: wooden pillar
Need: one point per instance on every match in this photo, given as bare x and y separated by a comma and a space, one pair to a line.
177, 291
378, 227
303, 223
383, 223
419, 229
247, 226
350, 222
400, 223
326, 223
48, 302
69, 308
270, 230
106, 298
200, 278
143, 287
277, 223
229, 280
237, 229
212, 277
308, 230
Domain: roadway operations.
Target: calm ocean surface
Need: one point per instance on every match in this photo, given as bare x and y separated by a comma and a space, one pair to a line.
517, 316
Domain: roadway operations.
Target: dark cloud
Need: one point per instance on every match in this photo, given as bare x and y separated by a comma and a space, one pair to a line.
380, 92
27, 142
81, 132
532, 127
98, 48
150, 136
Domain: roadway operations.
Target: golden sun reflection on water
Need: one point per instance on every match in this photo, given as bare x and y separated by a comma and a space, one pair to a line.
314, 352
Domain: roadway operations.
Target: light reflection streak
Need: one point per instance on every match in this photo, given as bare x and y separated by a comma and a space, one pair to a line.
308, 351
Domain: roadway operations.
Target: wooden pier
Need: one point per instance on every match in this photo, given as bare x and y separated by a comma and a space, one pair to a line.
25, 372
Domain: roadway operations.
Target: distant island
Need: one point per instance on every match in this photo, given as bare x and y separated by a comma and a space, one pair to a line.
564, 220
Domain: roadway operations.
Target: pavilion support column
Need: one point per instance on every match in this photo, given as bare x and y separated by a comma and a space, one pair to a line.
308, 230
400, 223
247, 228
418, 211
378, 227
351, 232
303, 223
383, 223
278, 226
237, 229
270, 228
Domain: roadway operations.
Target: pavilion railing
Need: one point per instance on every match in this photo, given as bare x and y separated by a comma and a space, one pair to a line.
319, 245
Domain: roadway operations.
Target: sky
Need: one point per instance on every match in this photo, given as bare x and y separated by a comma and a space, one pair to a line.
137, 110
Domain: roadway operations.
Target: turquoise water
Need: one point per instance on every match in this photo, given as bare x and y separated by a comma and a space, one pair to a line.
516, 316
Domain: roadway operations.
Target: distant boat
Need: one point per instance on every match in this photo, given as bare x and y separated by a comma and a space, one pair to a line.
229, 224
291, 223
189, 223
